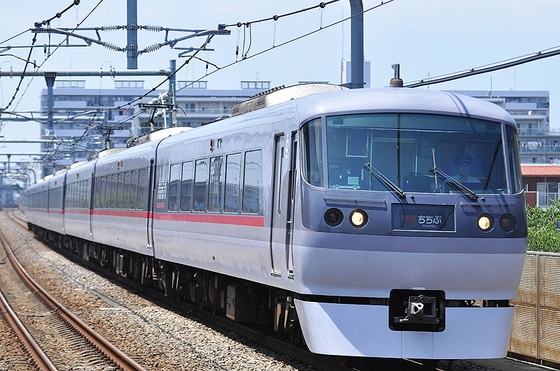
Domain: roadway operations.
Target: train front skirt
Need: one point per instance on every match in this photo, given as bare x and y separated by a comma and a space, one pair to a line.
362, 330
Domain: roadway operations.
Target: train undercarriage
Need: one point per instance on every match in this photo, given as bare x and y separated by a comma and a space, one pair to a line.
238, 300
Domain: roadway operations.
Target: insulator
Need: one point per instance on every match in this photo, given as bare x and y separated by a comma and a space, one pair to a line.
112, 47
112, 27
151, 48
153, 28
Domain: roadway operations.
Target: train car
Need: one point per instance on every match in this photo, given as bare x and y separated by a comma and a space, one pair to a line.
55, 214
37, 204
77, 205
371, 222
122, 199
117, 176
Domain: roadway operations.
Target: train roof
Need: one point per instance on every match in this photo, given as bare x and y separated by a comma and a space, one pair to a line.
400, 100
388, 100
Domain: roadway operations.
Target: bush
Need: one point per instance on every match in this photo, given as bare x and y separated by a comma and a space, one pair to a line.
542, 228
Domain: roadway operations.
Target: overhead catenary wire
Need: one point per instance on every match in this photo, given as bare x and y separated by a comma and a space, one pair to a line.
247, 57
50, 54
508, 63
277, 17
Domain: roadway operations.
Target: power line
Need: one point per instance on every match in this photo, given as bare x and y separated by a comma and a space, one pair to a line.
512, 62
246, 57
50, 54
277, 17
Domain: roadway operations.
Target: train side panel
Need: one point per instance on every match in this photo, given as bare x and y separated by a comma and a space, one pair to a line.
37, 204
120, 199
55, 214
77, 213
231, 238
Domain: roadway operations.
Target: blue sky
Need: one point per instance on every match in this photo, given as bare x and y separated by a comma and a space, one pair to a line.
428, 38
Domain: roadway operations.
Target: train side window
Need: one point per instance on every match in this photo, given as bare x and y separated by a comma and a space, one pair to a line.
82, 195
141, 203
88, 193
252, 182
97, 193
312, 153
120, 188
107, 184
133, 188
69, 197
215, 200
200, 184
101, 192
233, 173
186, 186
114, 183
75, 196
79, 195
126, 191
174, 180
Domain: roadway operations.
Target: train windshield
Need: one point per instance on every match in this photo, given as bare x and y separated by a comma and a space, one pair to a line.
413, 153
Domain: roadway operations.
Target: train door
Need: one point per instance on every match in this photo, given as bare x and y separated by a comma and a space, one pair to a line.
151, 189
282, 207
94, 194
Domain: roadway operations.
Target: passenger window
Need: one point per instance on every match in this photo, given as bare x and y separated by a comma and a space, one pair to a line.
186, 186
233, 173
120, 187
174, 179
101, 186
126, 192
252, 182
108, 192
133, 188
141, 203
114, 184
216, 184
200, 184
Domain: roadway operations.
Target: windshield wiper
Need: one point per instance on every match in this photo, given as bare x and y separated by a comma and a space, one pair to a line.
383, 179
454, 183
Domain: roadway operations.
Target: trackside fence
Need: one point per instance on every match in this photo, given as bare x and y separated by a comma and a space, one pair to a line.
536, 323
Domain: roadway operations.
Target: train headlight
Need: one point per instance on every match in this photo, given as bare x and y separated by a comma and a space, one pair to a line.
358, 218
507, 222
485, 222
333, 217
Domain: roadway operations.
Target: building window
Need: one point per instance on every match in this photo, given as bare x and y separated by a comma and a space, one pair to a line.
131, 84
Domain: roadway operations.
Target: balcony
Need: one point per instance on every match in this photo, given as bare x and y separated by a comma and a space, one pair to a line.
531, 132
524, 149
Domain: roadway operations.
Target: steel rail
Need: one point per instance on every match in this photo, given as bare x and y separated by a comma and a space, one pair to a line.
33, 349
113, 353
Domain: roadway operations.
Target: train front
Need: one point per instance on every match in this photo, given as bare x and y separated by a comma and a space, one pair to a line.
413, 230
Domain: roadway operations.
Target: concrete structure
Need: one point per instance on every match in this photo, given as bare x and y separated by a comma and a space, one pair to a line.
530, 110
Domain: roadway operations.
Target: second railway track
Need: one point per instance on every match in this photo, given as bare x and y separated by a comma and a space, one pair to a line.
55, 337
159, 339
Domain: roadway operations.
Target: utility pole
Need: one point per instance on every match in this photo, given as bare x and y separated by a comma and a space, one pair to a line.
357, 44
132, 34
171, 95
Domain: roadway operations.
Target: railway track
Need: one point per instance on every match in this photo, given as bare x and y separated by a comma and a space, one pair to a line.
252, 334
53, 336
195, 351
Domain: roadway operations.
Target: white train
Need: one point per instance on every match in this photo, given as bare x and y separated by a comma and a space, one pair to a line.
333, 214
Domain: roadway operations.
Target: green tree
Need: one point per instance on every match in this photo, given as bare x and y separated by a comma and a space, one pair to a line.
542, 228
